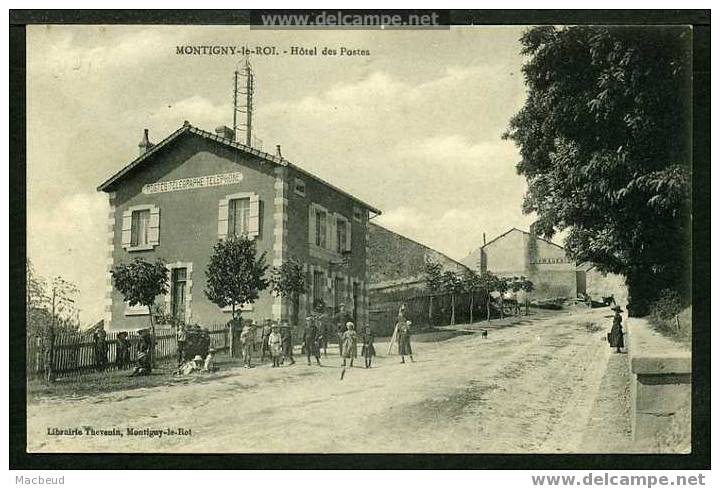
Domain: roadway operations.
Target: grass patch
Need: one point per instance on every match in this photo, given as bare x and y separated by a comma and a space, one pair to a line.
93, 383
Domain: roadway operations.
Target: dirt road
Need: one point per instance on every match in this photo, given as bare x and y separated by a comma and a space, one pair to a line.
525, 388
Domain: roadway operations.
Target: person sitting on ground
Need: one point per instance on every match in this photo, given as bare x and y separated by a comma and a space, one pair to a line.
143, 365
210, 361
349, 343
192, 366
275, 345
368, 348
404, 346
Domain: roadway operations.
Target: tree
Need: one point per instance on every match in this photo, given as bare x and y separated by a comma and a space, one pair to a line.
288, 280
488, 283
235, 276
433, 281
472, 284
140, 282
453, 285
604, 139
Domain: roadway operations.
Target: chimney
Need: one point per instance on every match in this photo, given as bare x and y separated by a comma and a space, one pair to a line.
225, 132
145, 144
278, 152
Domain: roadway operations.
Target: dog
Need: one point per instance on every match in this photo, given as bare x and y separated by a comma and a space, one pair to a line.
483, 333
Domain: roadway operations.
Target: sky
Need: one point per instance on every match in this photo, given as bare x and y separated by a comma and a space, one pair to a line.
413, 129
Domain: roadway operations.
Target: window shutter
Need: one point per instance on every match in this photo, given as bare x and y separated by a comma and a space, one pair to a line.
348, 238
126, 228
331, 231
254, 217
154, 226
222, 219
311, 227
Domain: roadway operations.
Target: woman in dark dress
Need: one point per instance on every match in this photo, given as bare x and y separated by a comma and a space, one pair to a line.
404, 346
616, 333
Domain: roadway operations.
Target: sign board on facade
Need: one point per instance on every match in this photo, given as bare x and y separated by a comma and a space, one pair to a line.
193, 183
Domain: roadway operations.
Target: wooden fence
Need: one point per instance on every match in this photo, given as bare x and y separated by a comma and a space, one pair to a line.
385, 305
74, 353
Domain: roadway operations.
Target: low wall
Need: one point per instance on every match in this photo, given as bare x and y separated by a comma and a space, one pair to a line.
661, 390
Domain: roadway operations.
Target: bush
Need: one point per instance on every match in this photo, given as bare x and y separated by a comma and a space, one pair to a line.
668, 317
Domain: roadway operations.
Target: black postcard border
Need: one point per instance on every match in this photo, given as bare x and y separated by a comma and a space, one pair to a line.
698, 459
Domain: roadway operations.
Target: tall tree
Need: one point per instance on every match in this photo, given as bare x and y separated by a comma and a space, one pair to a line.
472, 285
452, 284
605, 145
235, 274
434, 283
140, 282
288, 280
488, 283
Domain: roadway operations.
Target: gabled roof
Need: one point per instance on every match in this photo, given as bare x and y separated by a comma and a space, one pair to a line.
520, 231
186, 128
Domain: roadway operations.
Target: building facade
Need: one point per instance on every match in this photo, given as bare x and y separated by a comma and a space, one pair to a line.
519, 253
179, 197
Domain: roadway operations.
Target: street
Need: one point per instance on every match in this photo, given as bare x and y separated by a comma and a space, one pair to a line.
541, 385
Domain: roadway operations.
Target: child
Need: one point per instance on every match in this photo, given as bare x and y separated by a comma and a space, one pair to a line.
368, 349
349, 343
275, 346
210, 361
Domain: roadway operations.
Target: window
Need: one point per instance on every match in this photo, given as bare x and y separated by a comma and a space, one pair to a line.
339, 291
300, 187
140, 227
238, 217
342, 235
318, 287
320, 228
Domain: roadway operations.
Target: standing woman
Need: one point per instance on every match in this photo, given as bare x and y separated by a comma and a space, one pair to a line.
404, 346
617, 339
349, 342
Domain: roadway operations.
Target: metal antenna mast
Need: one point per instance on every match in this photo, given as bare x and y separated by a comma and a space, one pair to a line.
243, 101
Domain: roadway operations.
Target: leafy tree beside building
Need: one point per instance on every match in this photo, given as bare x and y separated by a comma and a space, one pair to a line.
605, 145
288, 280
140, 282
235, 275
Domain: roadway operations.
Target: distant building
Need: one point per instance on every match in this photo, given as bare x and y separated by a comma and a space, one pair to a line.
179, 197
520, 253
396, 274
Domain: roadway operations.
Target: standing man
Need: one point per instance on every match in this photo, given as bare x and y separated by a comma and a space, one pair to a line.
265, 347
341, 319
247, 338
287, 342
310, 340
122, 351
181, 337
